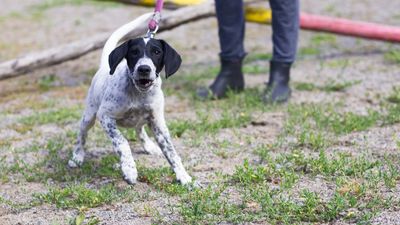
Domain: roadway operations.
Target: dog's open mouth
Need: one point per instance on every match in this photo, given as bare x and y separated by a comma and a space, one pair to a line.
144, 83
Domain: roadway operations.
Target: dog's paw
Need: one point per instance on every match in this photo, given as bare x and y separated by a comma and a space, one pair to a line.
74, 163
151, 148
77, 157
183, 178
129, 173
194, 185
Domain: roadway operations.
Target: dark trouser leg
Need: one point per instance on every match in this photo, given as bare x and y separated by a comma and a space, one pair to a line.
285, 26
231, 27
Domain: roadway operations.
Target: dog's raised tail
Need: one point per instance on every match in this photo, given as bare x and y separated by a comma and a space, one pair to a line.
119, 34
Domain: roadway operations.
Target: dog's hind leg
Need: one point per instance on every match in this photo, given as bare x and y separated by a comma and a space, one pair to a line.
87, 122
148, 145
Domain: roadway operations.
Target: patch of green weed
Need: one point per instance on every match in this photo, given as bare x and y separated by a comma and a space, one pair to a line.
334, 86
327, 117
46, 82
78, 196
48, 4
257, 57
255, 69
205, 125
259, 202
317, 43
307, 51
61, 116
305, 86
330, 86
162, 179
324, 39
394, 96
208, 205
393, 56
54, 166
17, 206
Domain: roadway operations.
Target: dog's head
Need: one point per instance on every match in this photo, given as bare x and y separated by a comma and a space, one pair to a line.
145, 59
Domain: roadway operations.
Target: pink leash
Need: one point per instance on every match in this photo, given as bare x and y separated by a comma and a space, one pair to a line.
153, 23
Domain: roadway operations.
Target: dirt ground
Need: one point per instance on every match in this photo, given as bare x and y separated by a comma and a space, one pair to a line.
346, 77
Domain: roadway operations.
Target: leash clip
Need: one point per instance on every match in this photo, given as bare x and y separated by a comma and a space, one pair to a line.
151, 33
155, 20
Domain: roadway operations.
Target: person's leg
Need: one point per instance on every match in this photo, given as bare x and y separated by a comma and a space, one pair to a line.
231, 28
285, 26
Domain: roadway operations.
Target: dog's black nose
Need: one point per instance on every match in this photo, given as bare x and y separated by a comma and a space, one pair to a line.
144, 70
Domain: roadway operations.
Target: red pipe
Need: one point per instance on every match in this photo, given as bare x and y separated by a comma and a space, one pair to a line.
350, 28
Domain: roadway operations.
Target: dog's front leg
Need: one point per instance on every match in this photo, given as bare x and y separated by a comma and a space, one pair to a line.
122, 148
163, 139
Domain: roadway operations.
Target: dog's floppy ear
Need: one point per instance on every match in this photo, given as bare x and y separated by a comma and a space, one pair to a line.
172, 60
117, 55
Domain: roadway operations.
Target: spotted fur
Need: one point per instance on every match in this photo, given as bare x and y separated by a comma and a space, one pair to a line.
126, 91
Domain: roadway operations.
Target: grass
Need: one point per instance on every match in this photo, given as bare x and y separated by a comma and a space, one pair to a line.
330, 86
80, 196
324, 39
392, 116
255, 69
192, 80
36, 11
33, 104
309, 51
223, 149
46, 82
207, 126
277, 169
48, 4
162, 179
80, 219
394, 96
392, 107
206, 205
316, 125
54, 166
259, 201
257, 57
393, 56
237, 110
197, 77
318, 43
60, 116
18, 206
338, 63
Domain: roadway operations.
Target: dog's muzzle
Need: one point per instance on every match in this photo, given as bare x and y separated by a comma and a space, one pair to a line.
143, 82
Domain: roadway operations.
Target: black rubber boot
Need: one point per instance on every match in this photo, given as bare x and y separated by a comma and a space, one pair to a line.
278, 90
230, 77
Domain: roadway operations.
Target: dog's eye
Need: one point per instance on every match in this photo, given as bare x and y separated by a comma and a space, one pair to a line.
157, 52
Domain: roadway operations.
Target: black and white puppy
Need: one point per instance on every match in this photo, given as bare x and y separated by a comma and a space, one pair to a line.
126, 91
